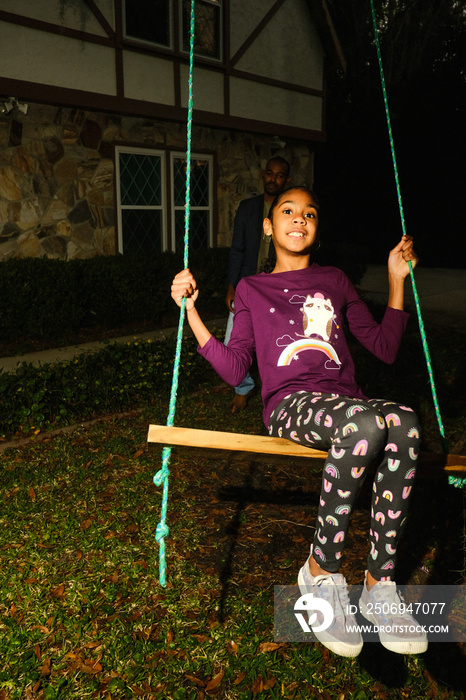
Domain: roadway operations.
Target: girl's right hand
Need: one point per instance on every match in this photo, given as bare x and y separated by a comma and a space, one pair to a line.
184, 285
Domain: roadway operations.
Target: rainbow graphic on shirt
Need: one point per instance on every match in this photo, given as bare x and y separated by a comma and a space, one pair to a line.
292, 350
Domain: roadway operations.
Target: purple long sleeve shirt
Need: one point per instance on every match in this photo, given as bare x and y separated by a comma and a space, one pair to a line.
293, 322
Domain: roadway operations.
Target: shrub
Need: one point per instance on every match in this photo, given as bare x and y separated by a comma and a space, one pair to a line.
116, 378
51, 300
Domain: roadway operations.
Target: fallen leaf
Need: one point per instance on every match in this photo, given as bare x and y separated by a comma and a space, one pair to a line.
232, 647
269, 646
45, 670
85, 525
58, 591
201, 638
95, 666
141, 562
138, 454
240, 677
215, 681
31, 494
195, 680
258, 685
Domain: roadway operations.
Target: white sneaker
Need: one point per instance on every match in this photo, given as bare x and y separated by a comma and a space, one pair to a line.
398, 631
343, 636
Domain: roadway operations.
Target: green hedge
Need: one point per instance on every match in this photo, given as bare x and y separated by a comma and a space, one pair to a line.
51, 300
116, 378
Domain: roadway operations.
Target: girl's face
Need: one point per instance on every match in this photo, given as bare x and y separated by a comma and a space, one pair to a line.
294, 227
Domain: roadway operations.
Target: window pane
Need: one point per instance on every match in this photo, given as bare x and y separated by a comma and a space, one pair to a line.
199, 182
198, 230
140, 179
148, 20
179, 181
142, 231
206, 27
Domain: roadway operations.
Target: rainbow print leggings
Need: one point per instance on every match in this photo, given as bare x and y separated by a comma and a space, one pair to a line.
356, 432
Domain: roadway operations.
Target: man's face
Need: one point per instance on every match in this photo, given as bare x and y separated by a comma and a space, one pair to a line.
274, 178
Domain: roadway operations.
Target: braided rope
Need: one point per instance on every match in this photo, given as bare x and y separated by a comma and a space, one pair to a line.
161, 477
403, 226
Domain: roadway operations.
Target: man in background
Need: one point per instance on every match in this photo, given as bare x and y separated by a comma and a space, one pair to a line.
250, 248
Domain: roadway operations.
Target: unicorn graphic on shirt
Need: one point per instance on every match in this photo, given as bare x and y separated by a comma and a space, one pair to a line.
318, 316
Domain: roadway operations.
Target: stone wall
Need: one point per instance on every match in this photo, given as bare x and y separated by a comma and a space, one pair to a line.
57, 190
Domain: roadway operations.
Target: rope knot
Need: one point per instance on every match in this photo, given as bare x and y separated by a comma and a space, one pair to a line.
161, 531
161, 475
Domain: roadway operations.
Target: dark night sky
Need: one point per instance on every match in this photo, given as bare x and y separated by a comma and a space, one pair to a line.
354, 171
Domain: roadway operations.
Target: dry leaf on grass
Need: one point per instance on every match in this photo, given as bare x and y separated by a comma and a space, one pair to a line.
269, 646
215, 681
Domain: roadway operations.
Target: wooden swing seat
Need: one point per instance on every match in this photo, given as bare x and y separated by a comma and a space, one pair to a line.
264, 444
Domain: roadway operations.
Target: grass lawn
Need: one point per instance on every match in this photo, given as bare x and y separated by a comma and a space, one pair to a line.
82, 614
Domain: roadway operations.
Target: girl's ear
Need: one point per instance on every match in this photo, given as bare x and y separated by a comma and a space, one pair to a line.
268, 228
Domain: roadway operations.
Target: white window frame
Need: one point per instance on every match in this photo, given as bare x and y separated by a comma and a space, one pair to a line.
120, 207
194, 156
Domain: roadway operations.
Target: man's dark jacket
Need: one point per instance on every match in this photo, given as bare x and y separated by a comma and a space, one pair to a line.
247, 232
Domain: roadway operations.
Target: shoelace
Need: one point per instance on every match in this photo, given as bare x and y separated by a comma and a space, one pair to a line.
393, 597
339, 598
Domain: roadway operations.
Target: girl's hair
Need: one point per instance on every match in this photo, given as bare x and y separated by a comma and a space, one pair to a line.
269, 264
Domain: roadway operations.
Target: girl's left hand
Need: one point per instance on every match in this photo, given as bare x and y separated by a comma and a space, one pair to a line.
400, 256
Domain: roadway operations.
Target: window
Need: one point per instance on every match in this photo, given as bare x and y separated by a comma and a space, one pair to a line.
149, 21
140, 201
150, 219
207, 27
200, 209
152, 22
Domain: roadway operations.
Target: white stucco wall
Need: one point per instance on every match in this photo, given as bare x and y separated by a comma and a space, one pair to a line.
207, 89
50, 59
67, 15
148, 78
267, 103
287, 49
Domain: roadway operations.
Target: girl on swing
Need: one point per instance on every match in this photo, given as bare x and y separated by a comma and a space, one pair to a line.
292, 319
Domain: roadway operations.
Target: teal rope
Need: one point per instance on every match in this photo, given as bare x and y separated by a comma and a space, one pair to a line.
458, 481
403, 226
161, 477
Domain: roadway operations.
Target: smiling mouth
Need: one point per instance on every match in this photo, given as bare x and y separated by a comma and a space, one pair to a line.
296, 234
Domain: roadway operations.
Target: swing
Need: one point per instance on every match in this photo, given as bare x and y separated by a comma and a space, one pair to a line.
264, 444
170, 435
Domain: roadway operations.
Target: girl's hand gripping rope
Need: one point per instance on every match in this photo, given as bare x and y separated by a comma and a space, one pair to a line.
400, 257
184, 285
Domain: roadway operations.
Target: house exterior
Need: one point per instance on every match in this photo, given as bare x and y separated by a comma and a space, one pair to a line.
93, 111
